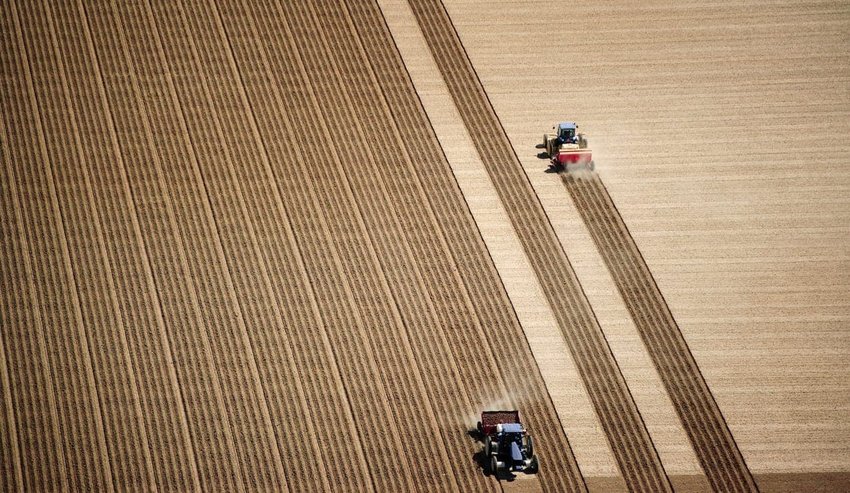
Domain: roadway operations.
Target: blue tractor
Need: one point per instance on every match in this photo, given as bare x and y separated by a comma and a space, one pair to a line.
507, 445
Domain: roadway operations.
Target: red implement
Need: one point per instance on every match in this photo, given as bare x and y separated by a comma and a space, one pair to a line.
574, 156
489, 420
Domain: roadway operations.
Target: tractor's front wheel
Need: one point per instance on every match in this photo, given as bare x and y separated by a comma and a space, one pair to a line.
529, 447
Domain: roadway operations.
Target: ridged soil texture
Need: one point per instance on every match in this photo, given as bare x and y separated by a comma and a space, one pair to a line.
31, 387
397, 218
701, 417
331, 346
86, 49
67, 124
154, 151
627, 435
483, 330
364, 327
301, 382
40, 153
384, 300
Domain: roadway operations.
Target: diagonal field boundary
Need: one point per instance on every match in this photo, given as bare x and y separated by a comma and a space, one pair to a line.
627, 435
709, 434
461, 270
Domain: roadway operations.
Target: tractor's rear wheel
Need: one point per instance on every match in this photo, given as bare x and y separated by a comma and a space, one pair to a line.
494, 465
529, 447
591, 166
488, 446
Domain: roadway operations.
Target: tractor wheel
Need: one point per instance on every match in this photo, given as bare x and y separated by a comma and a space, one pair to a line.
529, 447
494, 465
488, 446
480, 428
534, 466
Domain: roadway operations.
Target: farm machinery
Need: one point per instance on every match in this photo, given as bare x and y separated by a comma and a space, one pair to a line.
507, 445
567, 148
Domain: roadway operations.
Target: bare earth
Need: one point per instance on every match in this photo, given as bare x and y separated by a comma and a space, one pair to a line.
270, 245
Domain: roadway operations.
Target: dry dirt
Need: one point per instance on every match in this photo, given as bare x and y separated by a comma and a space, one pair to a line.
298, 246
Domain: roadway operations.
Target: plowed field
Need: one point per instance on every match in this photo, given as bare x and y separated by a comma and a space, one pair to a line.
237, 255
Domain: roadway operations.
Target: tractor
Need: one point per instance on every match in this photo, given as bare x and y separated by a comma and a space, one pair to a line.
507, 445
567, 148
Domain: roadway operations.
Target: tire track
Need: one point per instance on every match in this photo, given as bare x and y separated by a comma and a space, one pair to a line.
626, 432
466, 263
412, 207
131, 82
715, 447
80, 418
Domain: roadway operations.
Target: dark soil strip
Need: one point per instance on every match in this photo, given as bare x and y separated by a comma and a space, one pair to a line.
701, 417
624, 427
486, 328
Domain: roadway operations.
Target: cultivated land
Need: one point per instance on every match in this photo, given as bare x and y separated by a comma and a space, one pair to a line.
298, 246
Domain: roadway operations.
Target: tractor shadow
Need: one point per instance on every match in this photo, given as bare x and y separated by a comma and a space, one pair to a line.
553, 168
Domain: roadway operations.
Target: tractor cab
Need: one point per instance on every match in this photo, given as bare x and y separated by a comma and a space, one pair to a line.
567, 133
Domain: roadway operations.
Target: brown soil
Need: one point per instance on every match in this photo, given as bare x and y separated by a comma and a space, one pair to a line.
225, 298
234, 256
717, 451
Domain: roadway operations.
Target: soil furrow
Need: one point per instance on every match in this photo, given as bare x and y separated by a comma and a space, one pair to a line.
225, 217
304, 190
116, 378
285, 386
151, 350
399, 256
324, 404
129, 88
347, 468
391, 243
43, 460
624, 427
713, 442
10, 461
383, 313
11, 474
79, 408
475, 272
